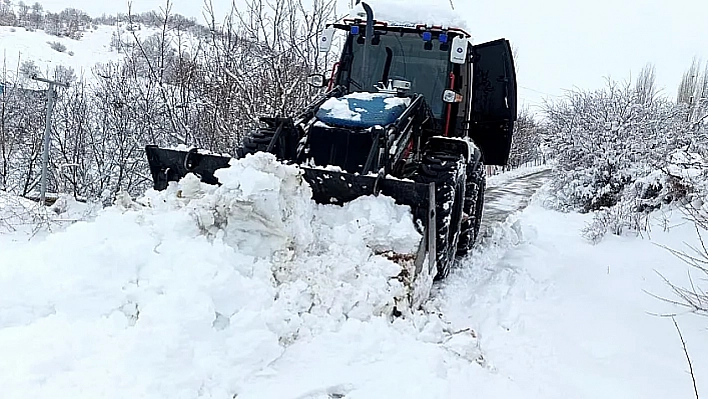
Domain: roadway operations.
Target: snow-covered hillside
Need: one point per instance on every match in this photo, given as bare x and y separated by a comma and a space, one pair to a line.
250, 290
18, 45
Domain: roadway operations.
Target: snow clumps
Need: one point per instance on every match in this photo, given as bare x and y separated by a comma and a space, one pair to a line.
220, 278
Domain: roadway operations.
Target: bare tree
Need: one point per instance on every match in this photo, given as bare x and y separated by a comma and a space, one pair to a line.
645, 84
187, 84
689, 83
527, 140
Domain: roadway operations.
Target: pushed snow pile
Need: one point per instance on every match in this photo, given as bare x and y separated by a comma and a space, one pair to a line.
195, 288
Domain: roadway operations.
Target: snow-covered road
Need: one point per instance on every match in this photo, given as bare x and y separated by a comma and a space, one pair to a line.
504, 197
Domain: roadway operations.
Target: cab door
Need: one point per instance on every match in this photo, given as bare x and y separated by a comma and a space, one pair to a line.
493, 100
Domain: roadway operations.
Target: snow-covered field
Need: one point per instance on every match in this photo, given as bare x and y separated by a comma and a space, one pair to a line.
18, 45
250, 290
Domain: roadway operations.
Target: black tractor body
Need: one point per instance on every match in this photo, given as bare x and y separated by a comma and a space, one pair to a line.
413, 112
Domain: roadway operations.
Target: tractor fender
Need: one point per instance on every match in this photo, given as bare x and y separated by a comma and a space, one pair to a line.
456, 145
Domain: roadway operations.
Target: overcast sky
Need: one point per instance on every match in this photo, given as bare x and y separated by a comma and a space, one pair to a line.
561, 44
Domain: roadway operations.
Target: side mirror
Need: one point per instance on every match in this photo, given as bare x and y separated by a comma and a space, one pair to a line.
316, 80
326, 40
450, 96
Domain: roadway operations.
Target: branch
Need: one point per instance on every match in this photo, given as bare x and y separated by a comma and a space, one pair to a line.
688, 358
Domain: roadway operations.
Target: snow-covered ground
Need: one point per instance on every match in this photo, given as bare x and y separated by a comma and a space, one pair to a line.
252, 291
508, 192
499, 179
559, 317
18, 45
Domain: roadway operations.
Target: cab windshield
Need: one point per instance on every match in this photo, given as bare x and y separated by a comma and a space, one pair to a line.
396, 56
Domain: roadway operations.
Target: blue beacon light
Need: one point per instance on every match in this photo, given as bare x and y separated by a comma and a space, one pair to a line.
427, 36
443, 38
354, 30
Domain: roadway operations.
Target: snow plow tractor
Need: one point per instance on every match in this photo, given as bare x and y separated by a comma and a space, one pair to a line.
411, 112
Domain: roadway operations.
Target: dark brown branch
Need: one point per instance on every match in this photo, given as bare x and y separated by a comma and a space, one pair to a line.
688, 358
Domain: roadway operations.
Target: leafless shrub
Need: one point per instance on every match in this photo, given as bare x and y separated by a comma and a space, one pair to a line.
616, 220
56, 46
527, 144
606, 139
694, 297
188, 84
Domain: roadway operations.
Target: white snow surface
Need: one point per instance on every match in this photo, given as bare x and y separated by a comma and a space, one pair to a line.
250, 290
393, 102
340, 108
411, 13
501, 178
18, 45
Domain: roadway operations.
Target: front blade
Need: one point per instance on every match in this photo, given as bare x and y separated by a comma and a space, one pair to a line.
171, 165
330, 187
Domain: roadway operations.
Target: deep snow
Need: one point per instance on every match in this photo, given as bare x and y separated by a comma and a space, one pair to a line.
251, 289
18, 45
560, 317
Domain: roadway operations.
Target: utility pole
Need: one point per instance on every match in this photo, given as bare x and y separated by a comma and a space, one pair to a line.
51, 95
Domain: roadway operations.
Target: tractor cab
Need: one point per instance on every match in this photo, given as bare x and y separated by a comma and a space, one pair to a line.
468, 90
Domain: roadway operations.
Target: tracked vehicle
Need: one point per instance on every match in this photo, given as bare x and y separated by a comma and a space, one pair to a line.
410, 111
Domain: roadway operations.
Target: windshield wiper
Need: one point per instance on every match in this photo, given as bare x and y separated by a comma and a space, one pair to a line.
355, 83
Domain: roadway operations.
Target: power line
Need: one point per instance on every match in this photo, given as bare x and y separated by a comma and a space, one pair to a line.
539, 91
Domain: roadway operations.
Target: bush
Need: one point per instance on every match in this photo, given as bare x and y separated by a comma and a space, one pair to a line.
57, 46
636, 202
608, 139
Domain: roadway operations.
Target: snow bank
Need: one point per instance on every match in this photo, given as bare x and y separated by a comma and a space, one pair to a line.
559, 317
194, 290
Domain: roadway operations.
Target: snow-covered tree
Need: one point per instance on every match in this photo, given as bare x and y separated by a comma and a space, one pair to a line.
608, 138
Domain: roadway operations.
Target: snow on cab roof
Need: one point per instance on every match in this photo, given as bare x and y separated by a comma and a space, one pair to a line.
412, 13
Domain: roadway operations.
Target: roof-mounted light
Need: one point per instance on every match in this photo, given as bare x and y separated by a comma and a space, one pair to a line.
354, 30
